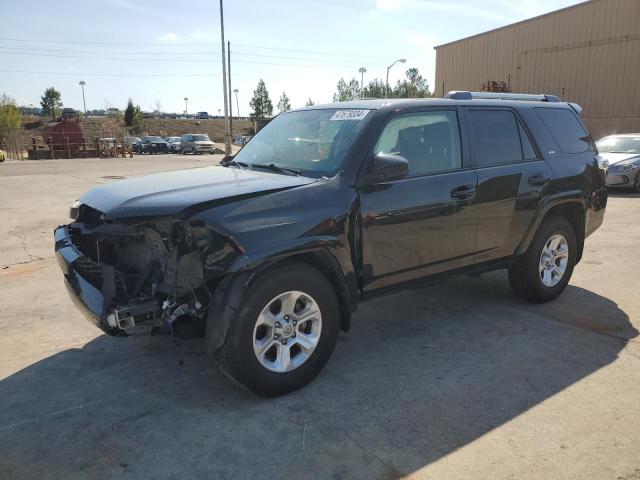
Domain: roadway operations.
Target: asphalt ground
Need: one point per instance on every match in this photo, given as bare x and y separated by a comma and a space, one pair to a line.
459, 380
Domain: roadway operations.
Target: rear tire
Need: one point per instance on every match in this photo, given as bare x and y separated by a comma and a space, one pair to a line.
542, 273
271, 322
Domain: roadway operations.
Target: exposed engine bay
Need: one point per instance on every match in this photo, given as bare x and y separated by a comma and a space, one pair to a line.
154, 275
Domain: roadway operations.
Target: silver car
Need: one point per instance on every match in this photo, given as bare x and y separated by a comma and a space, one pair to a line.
174, 143
623, 153
196, 143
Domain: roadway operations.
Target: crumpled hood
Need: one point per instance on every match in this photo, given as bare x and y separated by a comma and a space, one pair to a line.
170, 193
614, 158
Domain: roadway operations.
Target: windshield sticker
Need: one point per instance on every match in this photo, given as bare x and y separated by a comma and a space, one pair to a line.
349, 115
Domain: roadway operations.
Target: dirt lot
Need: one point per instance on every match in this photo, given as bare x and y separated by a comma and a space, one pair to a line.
460, 380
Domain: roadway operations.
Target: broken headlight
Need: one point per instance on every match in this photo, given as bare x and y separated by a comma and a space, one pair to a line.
74, 210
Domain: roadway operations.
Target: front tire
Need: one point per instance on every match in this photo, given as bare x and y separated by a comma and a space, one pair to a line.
545, 270
284, 331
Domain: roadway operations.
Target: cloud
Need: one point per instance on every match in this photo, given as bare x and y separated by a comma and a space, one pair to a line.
169, 37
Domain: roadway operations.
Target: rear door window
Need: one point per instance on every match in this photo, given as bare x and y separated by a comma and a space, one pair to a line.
496, 138
566, 129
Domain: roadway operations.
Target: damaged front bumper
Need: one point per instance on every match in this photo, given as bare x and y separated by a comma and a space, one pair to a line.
93, 288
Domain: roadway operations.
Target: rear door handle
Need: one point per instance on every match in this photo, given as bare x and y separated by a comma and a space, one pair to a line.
538, 179
464, 192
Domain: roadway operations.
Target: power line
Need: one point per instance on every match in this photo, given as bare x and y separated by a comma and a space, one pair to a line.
311, 52
208, 44
210, 53
118, 74
180, 60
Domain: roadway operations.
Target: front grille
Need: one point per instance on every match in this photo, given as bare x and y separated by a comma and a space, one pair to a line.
92, 272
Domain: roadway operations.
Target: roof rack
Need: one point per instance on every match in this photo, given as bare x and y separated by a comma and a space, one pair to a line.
465, 95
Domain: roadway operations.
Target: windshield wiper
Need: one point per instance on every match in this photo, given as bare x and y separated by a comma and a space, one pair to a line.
277, 168
234, 162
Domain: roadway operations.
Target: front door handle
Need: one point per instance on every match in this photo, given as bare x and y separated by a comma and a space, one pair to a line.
464, 192
538, 179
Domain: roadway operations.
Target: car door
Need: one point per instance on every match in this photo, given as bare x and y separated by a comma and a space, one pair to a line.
511, 177
425, 223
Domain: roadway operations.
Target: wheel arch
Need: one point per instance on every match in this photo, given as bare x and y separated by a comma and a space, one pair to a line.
231, 287
572, 209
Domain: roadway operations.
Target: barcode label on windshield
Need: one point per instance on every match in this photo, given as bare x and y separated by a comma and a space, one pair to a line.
349, 115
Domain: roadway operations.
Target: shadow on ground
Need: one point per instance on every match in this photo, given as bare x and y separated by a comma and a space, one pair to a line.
420, 375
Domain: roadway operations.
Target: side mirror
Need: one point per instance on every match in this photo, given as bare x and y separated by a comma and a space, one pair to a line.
387, 167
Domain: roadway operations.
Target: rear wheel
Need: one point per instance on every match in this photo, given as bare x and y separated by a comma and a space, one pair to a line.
285, 331
544, 271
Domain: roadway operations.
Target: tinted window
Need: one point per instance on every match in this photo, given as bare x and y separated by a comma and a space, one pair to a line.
567, 131
495, 137
430, 141
528, 152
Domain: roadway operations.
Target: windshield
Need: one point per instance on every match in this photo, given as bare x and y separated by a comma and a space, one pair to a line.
173, 139
201, 138
615, 144
155, 139
312, 141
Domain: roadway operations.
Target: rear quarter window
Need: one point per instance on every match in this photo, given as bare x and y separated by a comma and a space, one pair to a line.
566, 129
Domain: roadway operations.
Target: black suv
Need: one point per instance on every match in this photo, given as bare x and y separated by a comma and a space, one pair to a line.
269, 254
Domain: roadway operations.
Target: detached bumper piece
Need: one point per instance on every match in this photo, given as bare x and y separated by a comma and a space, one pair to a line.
96, 288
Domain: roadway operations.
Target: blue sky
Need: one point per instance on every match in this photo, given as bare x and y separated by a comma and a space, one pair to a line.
167, 50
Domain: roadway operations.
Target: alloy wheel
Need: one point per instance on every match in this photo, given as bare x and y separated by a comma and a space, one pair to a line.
553, 260
287, 331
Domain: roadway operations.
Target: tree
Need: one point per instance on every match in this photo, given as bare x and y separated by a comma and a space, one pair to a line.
347, 91
10, 116
51, 102
139, 124
375, 89
261, 103
413, 86
128, 114
309, 102
283, 103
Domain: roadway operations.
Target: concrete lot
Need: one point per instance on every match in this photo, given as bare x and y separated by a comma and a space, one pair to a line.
460, 380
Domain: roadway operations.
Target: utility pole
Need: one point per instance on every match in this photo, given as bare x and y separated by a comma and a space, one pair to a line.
230, 101
82, 83
237, 103
185, 106
362, 71
227, 132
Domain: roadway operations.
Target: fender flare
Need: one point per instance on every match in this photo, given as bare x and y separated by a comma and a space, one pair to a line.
238, 276
566, 198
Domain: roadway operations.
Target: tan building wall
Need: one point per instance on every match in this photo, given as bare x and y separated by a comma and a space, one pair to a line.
588, 53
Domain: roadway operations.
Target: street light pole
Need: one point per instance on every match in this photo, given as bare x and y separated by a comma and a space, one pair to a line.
185, 106
386, 90
362, 71
227, 130
237, 103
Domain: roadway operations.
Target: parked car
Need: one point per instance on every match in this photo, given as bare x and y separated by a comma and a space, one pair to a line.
3, 156
135, 143
623, 155
241, 140
329, 206
202, 116
174, 143
153, 144
196, 143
